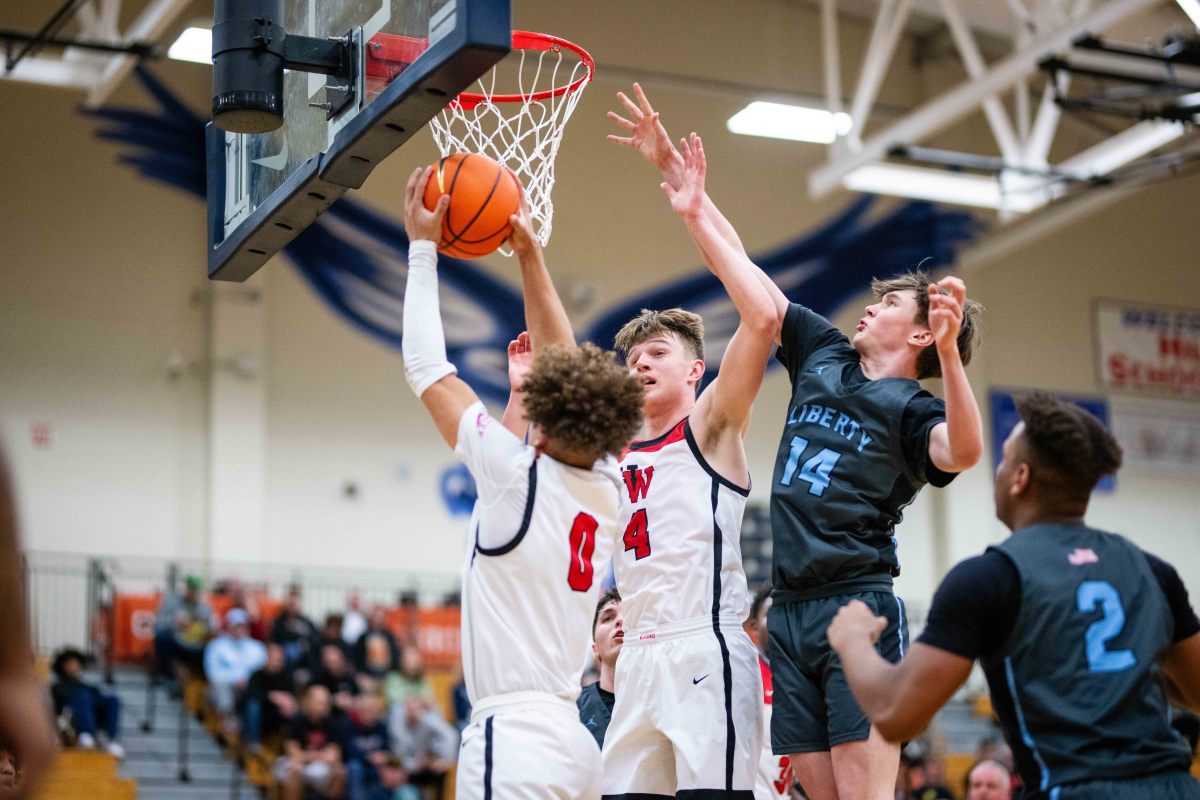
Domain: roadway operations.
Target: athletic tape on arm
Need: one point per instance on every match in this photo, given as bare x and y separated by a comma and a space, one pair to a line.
424, 343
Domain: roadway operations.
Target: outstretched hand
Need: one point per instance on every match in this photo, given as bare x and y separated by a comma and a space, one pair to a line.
522, 239
520, 359
420, 222
688, 200
947, 298
647, 134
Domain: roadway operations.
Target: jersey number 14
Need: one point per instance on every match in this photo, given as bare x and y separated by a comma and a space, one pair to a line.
816, 470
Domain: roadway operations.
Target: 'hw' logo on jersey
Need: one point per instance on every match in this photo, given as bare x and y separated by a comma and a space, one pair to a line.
637, 481
1081, 556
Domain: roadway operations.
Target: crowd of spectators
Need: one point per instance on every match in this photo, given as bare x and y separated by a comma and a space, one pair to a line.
344, 709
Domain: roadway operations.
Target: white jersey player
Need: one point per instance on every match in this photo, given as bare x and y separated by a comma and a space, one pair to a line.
541, 529
688, 686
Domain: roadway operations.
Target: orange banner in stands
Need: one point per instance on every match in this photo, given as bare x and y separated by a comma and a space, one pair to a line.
134, 626
435, 631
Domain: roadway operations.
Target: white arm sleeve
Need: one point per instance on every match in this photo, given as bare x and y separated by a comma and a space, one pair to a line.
424, 343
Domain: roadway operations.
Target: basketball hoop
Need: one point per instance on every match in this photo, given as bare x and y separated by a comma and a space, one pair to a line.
521, 129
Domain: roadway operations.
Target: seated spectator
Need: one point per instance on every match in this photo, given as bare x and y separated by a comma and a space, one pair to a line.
337, 676
181, 630
410, 681
294, 631
377, 663
92, 712
426, 744
269, 702
989, 780
354, 624
924, 774
331, 634
372, 771
229, 661
312, 759
377, 628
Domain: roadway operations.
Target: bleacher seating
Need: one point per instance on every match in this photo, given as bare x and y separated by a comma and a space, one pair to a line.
85, 775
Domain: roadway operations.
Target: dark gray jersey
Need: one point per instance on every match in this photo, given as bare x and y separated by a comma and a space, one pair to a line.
1077, 685
842, 472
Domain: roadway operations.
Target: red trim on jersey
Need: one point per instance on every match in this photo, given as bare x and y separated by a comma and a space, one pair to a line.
654, 445
766, 679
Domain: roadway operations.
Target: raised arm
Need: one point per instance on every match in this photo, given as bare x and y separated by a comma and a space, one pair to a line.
956, 444
430, 374
727, 402
545, 316
648, 136
520, 359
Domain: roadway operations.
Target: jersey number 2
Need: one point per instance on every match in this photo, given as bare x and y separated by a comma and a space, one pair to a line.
1100, 659
816, 470
583, 544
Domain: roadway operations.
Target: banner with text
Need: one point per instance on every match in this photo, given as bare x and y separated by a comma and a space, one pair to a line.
1148, 350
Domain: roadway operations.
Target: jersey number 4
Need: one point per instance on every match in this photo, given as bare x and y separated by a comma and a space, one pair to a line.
637, 535
583, 543
816, 470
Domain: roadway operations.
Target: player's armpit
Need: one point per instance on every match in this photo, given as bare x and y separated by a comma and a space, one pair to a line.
1182, 670
447, 400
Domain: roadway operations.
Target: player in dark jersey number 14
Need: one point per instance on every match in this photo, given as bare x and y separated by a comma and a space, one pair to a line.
1075, 629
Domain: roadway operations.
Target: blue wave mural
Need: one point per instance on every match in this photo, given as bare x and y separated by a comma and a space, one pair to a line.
355, 258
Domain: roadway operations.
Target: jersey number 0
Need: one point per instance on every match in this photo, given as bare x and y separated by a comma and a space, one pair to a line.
583, 543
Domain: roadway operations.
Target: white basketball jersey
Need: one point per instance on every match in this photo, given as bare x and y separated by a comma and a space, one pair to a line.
679, 559
540, 539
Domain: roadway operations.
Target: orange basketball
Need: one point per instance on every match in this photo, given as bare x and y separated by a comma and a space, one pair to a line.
483, 195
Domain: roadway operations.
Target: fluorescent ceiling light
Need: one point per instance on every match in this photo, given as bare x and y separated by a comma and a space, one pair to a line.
1120, 149
1192, 9
941, 186
795, 123
194, 44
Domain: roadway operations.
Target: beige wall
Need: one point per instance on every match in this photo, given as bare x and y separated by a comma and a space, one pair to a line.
102, 281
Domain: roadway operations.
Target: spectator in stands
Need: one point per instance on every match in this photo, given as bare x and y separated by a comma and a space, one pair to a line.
181, 630
989, 780
331, 634
377, 667
269, 699
312, 757
92, 711
294, 631
426, 744
229, 661
461, 701
337, 675
377, 628
923, 773
354, 624
608, 634
410, 681
10, 776
373, 772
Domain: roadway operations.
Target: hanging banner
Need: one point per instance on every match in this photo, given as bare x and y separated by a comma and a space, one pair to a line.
1161, 436
1148, 350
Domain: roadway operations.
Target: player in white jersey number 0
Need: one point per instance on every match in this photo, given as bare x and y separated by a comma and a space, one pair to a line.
542, 529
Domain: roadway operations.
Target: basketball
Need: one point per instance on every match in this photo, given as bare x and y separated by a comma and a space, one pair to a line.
483, 195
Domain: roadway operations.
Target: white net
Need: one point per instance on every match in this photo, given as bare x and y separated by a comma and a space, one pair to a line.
521, 129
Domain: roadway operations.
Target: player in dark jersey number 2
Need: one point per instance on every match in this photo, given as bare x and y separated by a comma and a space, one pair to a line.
1075, 629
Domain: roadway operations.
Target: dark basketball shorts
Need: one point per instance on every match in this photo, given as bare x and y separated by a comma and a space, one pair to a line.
1165, 786
812, 706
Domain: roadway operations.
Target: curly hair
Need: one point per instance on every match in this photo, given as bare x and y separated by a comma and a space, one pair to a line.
928, 363
583, 399
1069, 449
687, 327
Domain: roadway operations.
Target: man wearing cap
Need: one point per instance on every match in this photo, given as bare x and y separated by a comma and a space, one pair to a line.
229, 661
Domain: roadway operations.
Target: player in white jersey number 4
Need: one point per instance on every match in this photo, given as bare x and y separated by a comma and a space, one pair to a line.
542, 528
689, 690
